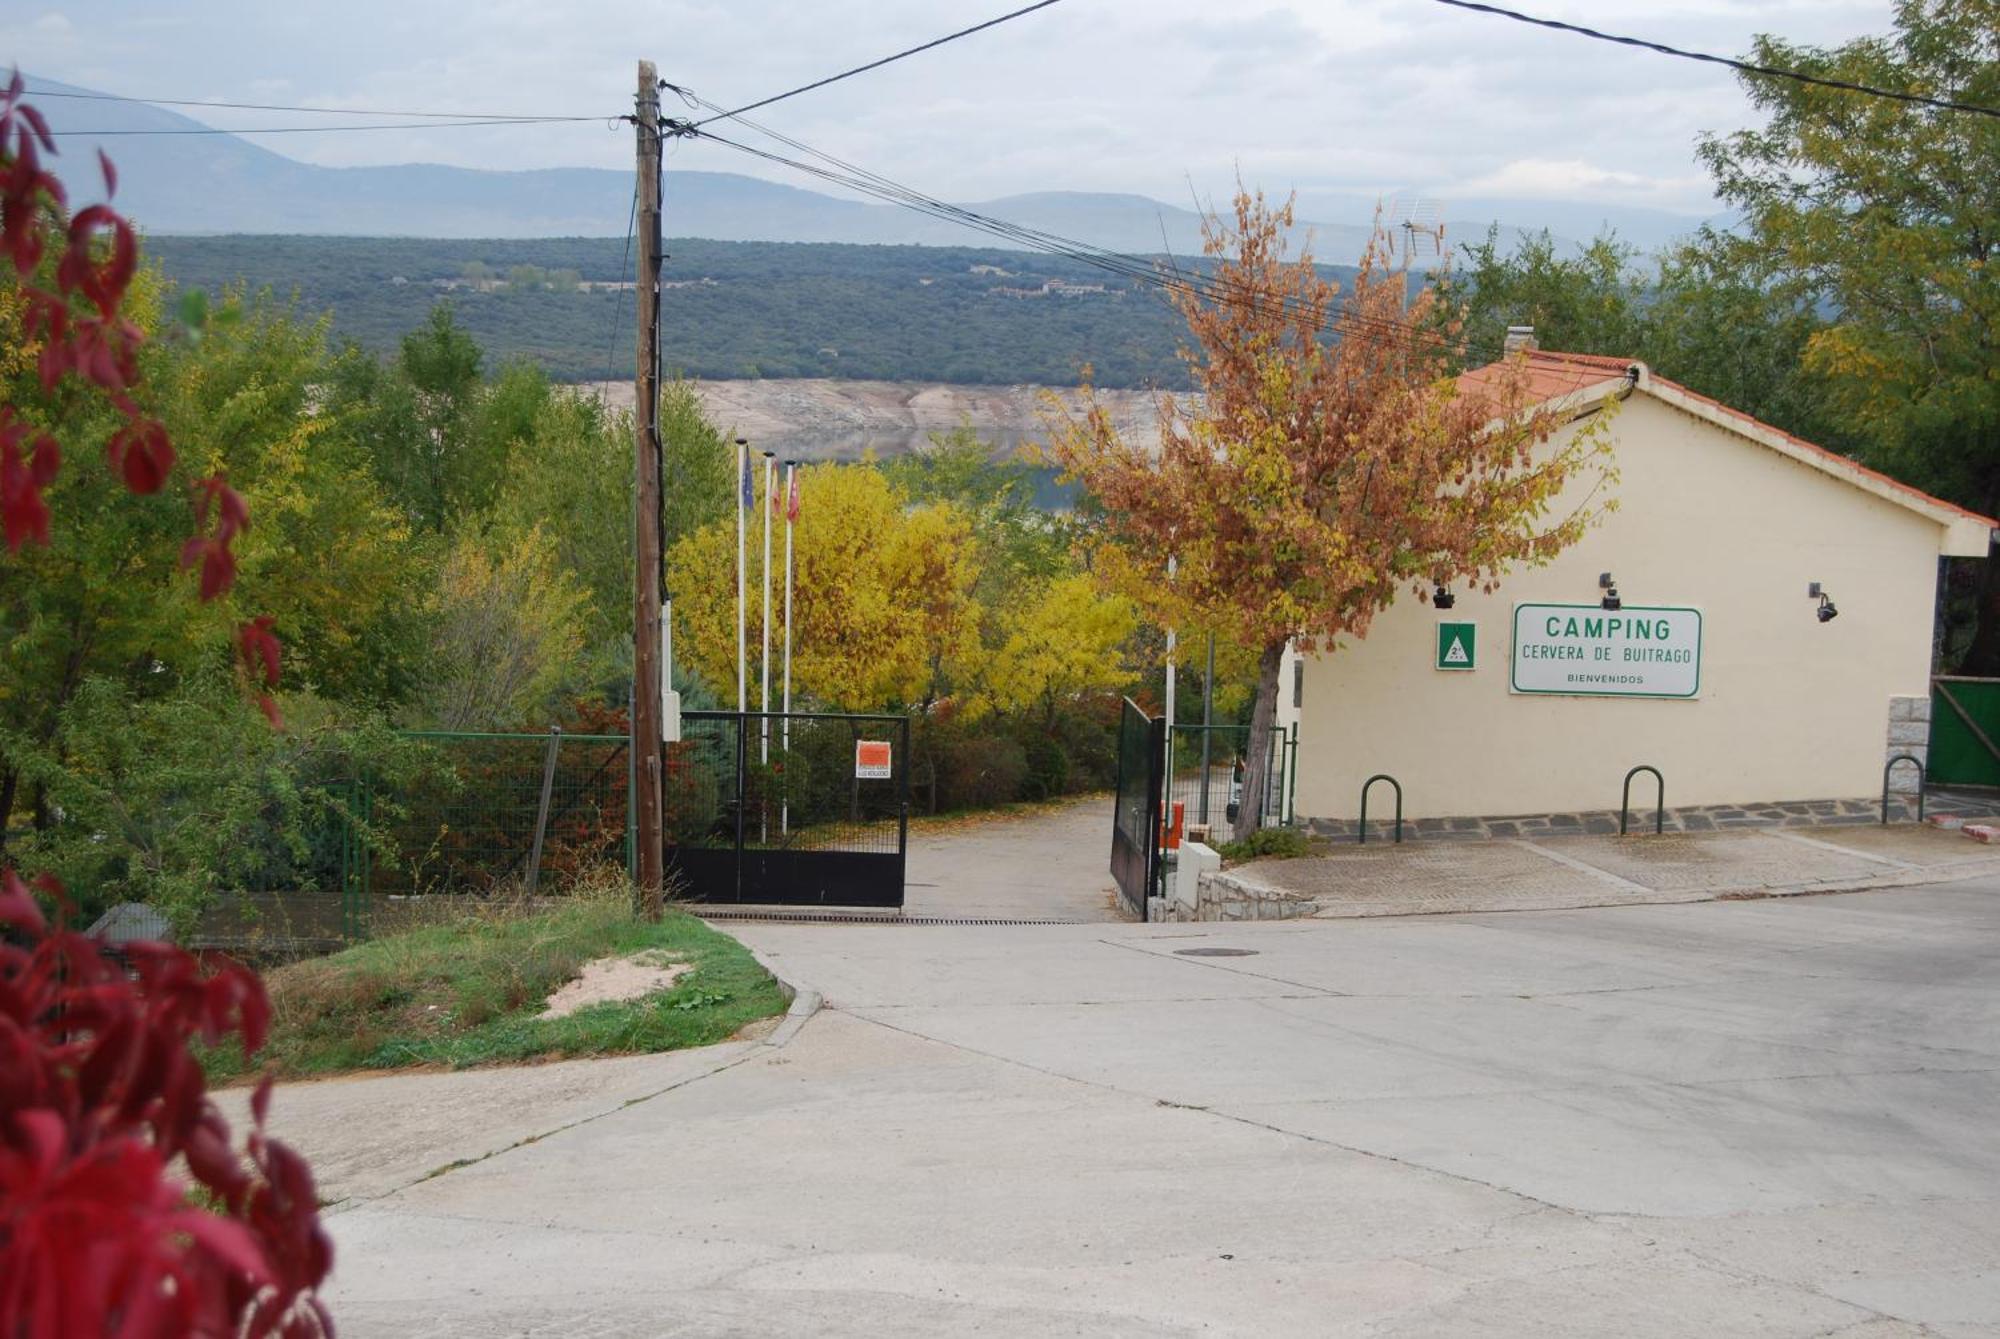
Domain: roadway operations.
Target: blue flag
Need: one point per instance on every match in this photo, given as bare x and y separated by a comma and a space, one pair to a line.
749, 500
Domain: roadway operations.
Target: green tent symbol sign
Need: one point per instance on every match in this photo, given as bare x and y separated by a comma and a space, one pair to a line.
1457, 646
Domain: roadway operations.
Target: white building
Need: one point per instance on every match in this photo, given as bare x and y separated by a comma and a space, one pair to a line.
1709, 661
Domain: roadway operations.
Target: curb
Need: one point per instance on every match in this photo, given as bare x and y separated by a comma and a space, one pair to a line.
805, 1003
1307, 908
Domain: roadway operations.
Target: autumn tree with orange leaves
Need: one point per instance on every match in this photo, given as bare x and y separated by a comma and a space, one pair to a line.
1326, 464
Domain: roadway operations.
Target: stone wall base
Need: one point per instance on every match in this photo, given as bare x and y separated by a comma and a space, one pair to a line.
1692, 818
1222, 897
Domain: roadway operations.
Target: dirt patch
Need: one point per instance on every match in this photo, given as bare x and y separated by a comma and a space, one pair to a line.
615, 980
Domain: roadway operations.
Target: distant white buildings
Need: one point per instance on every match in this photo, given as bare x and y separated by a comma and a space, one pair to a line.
1051, 288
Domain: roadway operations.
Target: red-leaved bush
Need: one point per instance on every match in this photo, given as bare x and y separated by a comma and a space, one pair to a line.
83, 333
105, 1124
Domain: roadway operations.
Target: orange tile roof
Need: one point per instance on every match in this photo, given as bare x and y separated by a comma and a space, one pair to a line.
1551, 375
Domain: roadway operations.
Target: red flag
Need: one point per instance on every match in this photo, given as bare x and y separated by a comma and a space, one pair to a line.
792, 509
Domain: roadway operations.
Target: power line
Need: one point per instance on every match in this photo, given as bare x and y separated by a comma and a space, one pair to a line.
1743, 66
618, 300
878, 64
288, 107
329, 130
1209, 288
1205, 287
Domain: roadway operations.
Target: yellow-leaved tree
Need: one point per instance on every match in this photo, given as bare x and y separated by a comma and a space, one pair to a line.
508, 635
883, 613
1068, 639
1327, 464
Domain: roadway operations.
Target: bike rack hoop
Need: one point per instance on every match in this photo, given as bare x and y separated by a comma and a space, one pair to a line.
1890, 766
1361, 837
1660, 807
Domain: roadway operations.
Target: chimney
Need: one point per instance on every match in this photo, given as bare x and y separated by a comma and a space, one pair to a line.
1520, 339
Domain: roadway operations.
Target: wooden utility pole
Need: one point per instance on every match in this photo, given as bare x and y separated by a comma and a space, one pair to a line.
646, 651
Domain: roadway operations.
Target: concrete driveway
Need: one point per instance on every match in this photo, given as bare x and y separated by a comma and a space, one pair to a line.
1052, 865
1749, 1118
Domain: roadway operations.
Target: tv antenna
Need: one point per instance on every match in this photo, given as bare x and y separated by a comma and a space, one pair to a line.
1421, 221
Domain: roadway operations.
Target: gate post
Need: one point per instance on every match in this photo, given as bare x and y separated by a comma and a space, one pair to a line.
1156, 774
542, 810
903, 809
742, 762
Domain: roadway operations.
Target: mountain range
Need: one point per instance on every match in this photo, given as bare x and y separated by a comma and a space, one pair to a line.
193, 183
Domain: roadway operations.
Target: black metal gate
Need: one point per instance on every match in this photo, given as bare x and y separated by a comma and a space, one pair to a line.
1135, 827
805, 809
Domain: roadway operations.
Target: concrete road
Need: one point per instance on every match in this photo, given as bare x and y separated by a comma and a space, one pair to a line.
1738, 1118
1053, 865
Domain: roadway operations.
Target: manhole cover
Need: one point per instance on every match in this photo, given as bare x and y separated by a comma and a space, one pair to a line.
1216, 952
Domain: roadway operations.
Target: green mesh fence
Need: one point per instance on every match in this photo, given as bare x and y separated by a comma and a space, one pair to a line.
516, 811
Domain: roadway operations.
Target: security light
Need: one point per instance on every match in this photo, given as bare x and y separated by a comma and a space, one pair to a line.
1610, 589
1826, 612
1443, 598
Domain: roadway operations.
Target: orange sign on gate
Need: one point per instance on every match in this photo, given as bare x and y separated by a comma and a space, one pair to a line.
871, 760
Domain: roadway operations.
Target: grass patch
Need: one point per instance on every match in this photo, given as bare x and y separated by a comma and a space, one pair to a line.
1269, 844
465, 991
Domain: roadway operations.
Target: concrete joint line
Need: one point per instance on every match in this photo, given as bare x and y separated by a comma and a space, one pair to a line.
1583, 868
1837, 849
1621, 1223
805, 1003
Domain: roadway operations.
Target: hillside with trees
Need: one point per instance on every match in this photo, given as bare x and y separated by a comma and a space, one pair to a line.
731, 310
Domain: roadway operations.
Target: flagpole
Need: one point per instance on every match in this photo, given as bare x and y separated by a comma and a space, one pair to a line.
791, 515
764, 670
742, 635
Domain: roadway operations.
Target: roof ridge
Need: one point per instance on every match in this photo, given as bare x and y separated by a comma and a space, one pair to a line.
1553, 362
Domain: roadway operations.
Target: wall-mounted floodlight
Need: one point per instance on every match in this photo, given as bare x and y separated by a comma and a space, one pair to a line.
1443, 598
1826, 612
1610, 589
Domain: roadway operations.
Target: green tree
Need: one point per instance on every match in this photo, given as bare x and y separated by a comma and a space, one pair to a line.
419, 420
504, 416
698, 483
508, 636
571, 477
1586, 302
1884, 214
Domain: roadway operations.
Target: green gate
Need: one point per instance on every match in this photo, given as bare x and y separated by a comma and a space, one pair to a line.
1965, 731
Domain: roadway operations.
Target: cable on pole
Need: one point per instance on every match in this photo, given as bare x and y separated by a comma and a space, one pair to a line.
1742, 66
1205, 287
315, 130
618, 298
291, 107
878, 64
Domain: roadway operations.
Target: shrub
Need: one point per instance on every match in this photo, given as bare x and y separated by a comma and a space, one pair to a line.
1048, 766
1268, 844
980, 771
1089, 735
179, 799
100, 1098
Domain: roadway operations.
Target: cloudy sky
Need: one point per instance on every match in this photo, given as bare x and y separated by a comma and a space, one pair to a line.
1334, 98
